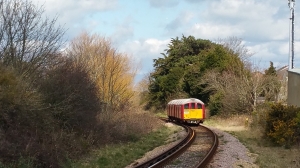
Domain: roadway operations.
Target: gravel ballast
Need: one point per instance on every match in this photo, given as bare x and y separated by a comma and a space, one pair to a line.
231, 153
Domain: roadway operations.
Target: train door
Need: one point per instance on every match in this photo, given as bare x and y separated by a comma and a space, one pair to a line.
186, 110
200, 110
202, 107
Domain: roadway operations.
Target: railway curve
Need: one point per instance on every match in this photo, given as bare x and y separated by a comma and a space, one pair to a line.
196, 135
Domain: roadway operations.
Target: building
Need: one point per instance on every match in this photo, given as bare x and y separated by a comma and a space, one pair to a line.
282, 75
293, 97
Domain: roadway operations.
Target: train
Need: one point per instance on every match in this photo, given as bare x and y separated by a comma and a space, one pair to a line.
189, 110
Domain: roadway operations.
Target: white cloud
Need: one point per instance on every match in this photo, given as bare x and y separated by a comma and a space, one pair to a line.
182, 19
249, 10
79, 6
144, 51
263, 25
149, 48
213, 31
249, 19
123, 32
156, 46
275, 51
76, 15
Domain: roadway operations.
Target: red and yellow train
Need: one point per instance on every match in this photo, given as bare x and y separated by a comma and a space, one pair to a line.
189, 110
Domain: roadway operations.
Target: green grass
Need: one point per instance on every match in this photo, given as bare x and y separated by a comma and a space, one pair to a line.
121, 155
161, 114
176, 162
21, 163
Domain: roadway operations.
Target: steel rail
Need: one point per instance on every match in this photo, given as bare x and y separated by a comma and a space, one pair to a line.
177, 150
171, 154
212, 150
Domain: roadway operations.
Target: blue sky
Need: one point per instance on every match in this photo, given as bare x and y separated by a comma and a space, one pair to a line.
143, 28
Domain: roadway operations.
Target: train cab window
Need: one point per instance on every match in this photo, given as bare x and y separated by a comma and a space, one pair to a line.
199, 106
192, 105
186, 106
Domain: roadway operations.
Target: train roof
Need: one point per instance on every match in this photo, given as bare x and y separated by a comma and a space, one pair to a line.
184, 101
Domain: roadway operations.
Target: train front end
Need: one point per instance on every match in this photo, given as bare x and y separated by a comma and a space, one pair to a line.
186, 110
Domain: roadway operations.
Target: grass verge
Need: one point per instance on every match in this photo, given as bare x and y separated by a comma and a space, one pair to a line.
123, 154
251, 136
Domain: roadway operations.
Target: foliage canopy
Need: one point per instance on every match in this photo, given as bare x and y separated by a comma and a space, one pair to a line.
179, 72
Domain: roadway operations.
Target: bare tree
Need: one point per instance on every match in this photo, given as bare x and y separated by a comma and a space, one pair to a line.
28, 40
241, 92
233, 88
235, 46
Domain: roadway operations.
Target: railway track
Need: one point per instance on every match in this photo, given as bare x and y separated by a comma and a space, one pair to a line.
196, 149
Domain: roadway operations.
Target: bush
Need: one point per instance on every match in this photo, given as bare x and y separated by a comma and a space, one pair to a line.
24, 122
282, 124
71, 96
215, 104
46, 120
260, 115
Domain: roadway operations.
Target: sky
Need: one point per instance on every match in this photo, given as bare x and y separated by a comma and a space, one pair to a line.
143, 28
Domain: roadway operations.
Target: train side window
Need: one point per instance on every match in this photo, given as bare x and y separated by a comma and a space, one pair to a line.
192, 105
199, 106
186, 106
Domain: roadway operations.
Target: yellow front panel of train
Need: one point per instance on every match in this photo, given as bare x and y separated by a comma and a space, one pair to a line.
193, 114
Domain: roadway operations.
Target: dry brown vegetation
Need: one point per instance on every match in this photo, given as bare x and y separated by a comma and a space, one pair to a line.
62, 118
58, 106
111, 71
249, 130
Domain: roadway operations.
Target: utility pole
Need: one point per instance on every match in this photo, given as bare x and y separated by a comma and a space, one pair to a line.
291, 4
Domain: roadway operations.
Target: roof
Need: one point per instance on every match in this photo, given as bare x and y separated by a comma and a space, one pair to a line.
184, 101
282, 73
284, 68
295, 71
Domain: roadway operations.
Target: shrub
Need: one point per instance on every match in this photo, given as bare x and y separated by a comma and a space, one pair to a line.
215, 104
282, 124
24, 122
71, 96
46, 120
260, 115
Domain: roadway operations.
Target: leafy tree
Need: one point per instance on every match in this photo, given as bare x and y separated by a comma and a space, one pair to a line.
192, 58
181, 61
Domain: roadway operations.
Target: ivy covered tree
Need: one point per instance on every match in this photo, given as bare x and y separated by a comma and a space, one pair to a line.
171, 72
272, 84
178, 74
271, 70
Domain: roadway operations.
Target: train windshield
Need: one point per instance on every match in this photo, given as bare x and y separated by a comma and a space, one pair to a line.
186, 106
199, 106
192, 105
